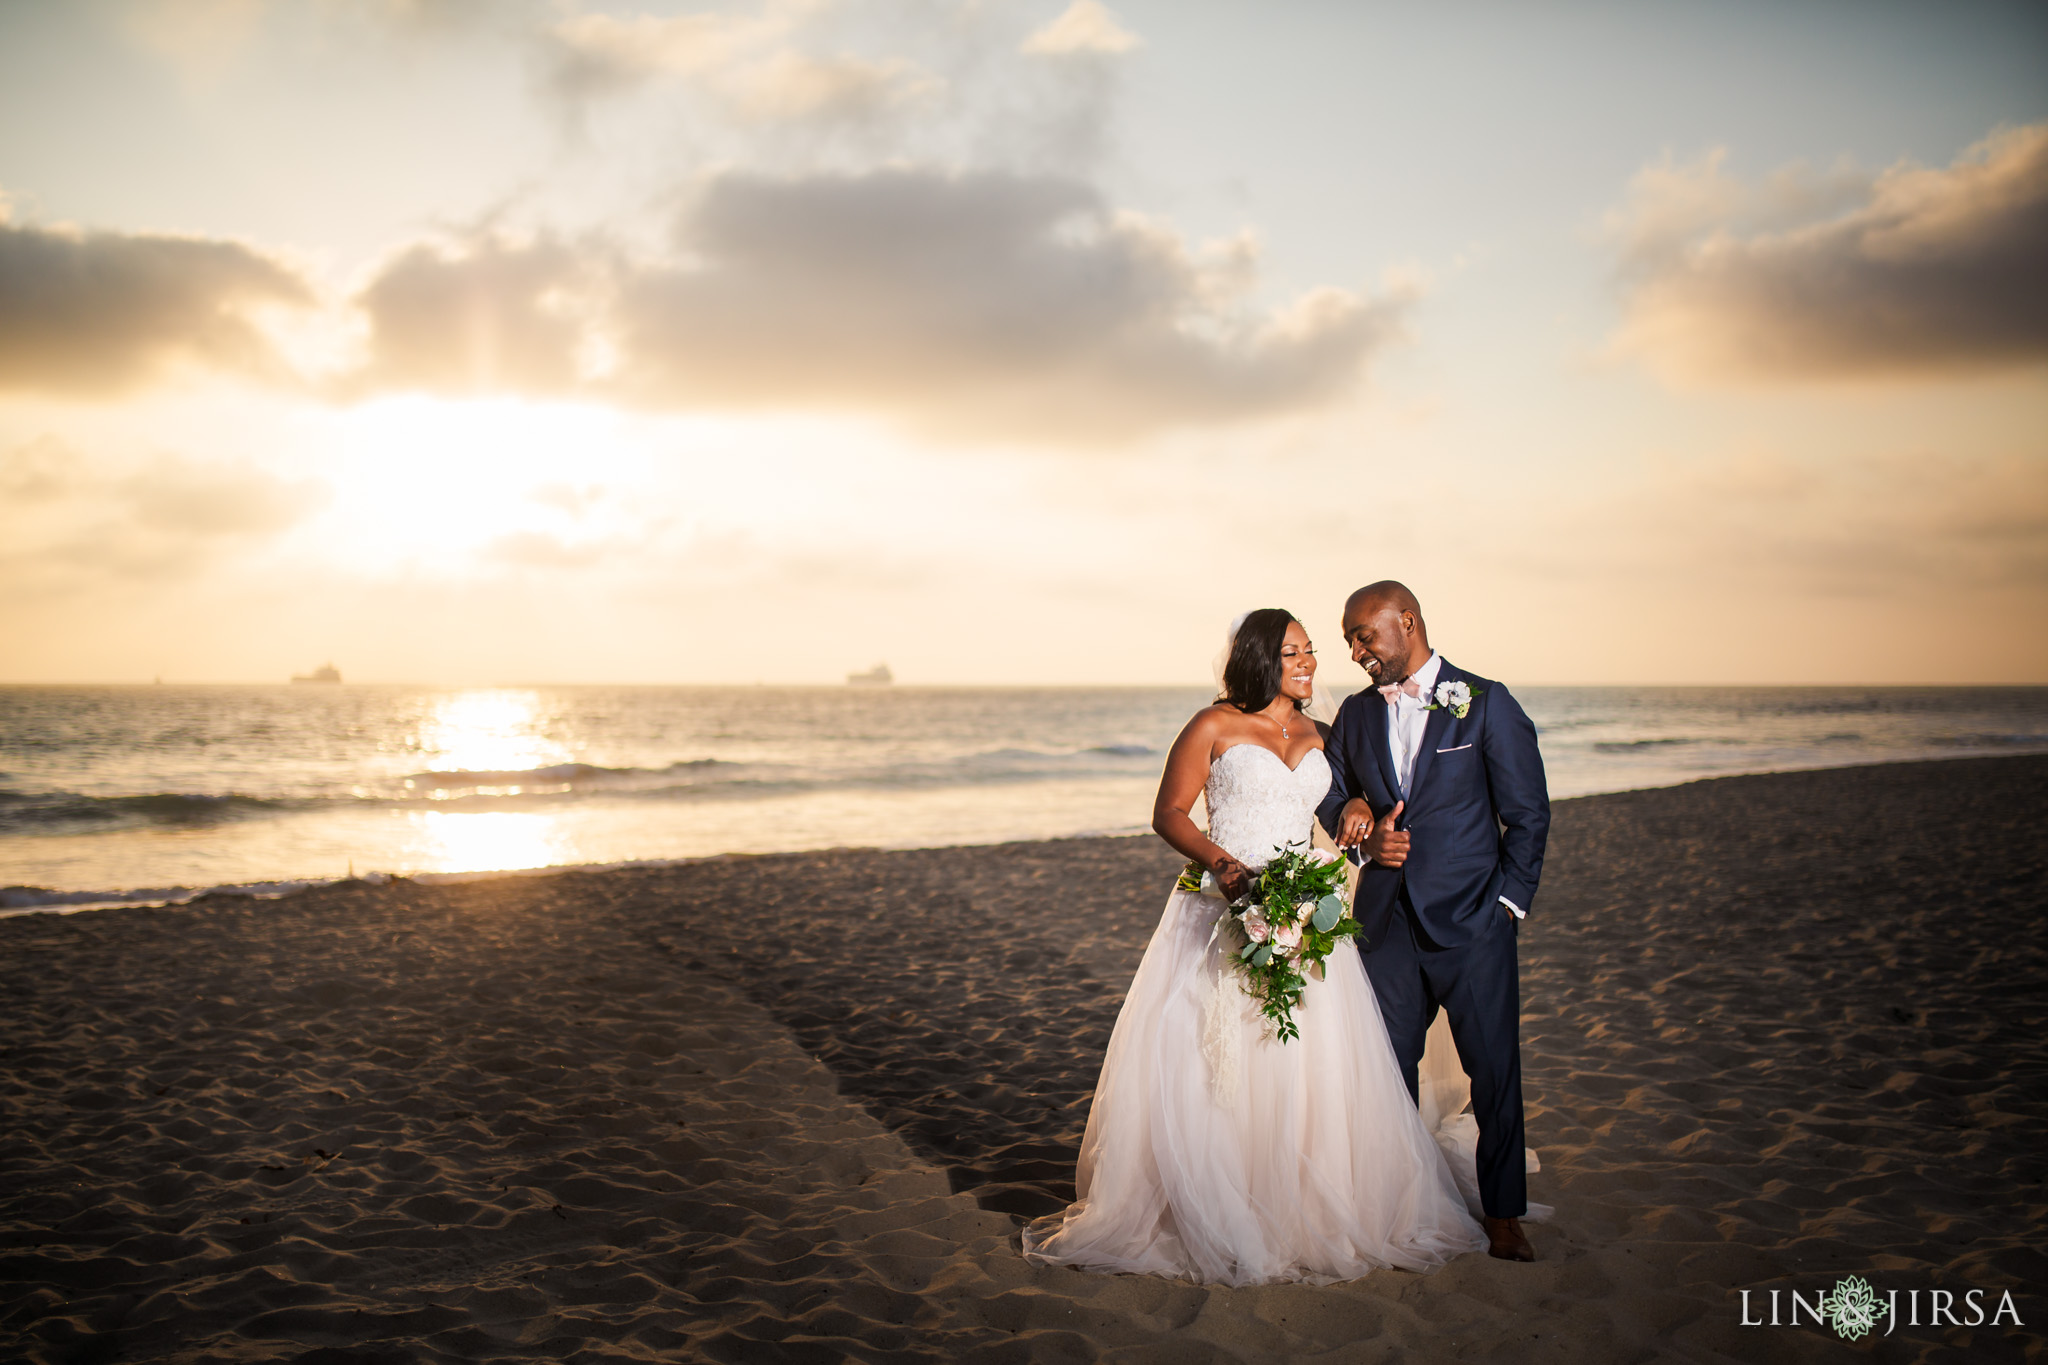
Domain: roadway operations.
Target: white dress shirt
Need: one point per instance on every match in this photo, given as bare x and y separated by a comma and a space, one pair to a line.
1405, 721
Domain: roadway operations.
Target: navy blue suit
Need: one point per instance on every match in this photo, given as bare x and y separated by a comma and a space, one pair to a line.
1435, 933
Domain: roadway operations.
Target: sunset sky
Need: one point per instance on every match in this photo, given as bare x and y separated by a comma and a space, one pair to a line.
1020, 342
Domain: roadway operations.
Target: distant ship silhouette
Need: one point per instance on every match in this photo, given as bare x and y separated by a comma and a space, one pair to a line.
326, 673
878, 676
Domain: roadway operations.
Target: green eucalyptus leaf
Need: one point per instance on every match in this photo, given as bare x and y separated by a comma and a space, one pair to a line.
1329, 910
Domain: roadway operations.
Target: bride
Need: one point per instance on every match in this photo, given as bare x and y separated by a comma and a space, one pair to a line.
1213, 1151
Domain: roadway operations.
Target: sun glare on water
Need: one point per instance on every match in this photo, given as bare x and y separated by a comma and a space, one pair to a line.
480, 744
498, 731
484, 841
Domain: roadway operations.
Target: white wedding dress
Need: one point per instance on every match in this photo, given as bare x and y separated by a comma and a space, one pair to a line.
1216, 1153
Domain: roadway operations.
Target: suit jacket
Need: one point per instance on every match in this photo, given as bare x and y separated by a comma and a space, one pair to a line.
1478, 811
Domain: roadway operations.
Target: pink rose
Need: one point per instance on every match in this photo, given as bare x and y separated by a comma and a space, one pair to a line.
1255, 927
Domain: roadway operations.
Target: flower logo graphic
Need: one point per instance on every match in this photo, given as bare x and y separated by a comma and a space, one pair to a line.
1852, 1308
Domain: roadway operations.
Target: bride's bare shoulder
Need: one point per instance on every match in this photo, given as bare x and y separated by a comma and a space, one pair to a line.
1208, 724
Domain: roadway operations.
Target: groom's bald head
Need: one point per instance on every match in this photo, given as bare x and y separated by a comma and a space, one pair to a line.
1384, 627
1385, 593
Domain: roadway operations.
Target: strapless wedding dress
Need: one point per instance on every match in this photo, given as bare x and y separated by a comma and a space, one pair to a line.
1214, 1152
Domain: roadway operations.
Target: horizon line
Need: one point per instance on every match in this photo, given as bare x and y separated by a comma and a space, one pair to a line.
841, 686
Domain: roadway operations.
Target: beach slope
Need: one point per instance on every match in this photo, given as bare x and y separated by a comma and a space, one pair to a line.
1777, 1030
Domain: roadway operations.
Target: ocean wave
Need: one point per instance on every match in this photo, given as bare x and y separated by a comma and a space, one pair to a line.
557, 775
42, 897
25, 811
1631, 746
702, 779
24, 899
1094, 753
1988, 740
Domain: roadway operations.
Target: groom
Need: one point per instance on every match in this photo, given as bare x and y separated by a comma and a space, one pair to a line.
1446, 766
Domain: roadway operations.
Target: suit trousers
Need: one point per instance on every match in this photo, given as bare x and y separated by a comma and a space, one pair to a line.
1479, 985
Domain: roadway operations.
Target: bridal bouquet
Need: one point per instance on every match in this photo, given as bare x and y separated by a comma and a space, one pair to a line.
1289, 921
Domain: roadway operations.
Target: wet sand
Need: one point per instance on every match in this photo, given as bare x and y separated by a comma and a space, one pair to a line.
1777, 1030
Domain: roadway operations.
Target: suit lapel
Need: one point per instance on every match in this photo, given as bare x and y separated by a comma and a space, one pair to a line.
1433, 727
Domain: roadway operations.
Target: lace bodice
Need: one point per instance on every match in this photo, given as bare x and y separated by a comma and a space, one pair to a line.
1258, 804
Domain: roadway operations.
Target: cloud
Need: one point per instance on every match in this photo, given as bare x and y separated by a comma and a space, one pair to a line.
68, 520
798, 85
789, 87
980, 304
752, 64
593, 55
1011, 305
1930, 526
1083, 27
569, 498
983, 304
36, 472
200, 36
188, 499
480, 316
539, 550
1950, 523
1915, 272
104, 312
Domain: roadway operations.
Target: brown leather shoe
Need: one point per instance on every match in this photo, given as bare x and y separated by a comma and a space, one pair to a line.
1506, 1240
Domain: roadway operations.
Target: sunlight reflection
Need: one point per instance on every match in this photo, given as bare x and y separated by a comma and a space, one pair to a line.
492, 841
487, 732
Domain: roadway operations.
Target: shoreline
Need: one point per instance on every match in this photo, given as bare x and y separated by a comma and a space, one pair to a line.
167, 897
1777, 1030
13, 900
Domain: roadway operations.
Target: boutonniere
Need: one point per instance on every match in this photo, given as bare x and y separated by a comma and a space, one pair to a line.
1454, 697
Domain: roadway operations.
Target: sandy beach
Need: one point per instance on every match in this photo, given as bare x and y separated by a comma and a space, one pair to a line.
793, 1108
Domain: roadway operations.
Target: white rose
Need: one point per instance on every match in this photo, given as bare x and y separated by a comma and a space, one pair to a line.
1255, 927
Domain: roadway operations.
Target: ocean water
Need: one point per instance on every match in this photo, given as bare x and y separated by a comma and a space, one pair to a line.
149, 793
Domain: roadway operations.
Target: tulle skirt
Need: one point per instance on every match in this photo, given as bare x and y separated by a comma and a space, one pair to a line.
1215, 1153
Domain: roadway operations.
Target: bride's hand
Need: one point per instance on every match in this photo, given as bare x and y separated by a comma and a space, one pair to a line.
1233, 878
1354, 824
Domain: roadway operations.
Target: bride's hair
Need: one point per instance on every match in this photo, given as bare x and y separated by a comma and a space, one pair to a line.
1251, 674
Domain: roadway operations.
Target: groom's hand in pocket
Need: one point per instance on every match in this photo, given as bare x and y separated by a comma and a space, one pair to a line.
1386, 845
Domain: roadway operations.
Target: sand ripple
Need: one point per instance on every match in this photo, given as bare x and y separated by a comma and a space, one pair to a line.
1776, 1030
